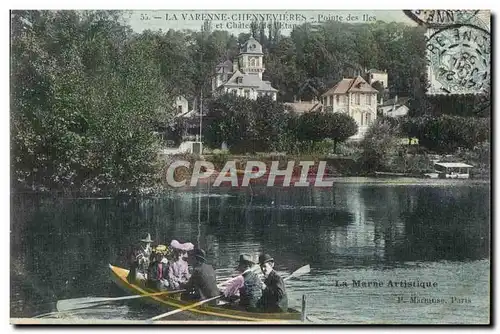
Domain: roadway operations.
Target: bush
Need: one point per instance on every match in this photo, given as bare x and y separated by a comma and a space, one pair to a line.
380, 146
350, 149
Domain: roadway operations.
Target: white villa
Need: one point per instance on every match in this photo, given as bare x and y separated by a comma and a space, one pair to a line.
244, 76
355, 97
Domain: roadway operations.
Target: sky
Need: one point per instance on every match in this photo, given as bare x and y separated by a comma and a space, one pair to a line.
238, 21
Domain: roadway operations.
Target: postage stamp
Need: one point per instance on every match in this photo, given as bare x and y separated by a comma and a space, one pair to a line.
458, 49
250, 167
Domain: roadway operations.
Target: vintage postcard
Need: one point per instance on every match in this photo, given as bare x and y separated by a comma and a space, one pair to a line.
250, 167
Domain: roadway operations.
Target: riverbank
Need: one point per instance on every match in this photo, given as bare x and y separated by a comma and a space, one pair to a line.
349, 164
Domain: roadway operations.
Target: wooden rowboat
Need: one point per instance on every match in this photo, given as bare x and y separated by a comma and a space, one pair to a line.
201, 313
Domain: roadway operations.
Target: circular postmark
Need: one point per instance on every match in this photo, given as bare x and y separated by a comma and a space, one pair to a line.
440, 18
459, 59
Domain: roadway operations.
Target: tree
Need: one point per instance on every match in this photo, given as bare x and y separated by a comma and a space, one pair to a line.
86, 93
270, 123
446, 133
228, 120
339, 127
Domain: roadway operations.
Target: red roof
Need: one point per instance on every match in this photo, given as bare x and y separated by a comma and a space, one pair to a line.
351, 85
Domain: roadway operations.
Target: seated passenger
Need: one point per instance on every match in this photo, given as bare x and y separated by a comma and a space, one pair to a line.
274, 298
178, 269
203, 283
248, 285
157, 272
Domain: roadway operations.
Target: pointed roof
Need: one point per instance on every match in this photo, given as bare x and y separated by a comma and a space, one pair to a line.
351, 85
251, 46
249, 80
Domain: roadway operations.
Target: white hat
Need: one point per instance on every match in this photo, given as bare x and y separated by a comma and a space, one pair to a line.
184, 247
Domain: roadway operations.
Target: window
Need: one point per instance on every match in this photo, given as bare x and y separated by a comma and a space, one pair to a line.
358, 98
368, 99
247, 93
179, 109
338, 99
331, 100
252, 62
361, 119
239, 80
368, 119
233, 91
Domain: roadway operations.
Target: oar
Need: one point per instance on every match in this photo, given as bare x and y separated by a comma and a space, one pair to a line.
87, 302
299, 272
185, 308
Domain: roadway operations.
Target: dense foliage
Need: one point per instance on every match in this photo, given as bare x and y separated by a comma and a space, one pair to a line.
447, 133
246, 125
88, 94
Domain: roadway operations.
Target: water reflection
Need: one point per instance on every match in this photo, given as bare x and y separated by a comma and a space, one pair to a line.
60, 248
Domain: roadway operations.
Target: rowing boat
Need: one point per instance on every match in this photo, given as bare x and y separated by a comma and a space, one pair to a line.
202, 313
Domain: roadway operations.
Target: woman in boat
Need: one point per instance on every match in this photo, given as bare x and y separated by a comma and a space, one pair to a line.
178, 270
157, 272
248, 285
274, 298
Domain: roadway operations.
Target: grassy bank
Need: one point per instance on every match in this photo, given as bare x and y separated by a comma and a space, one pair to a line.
350, 160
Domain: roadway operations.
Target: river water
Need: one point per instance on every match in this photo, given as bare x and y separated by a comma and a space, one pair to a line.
384, 234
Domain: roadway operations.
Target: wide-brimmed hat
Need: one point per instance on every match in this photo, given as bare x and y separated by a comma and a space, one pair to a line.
147, 239
263, 258
200, 254
246, 259
186, 247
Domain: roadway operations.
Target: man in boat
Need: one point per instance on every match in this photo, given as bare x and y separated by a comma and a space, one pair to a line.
203, 281
145, 255
274, 298
248, 285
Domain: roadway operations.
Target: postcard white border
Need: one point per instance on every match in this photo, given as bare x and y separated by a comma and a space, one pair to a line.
198, 4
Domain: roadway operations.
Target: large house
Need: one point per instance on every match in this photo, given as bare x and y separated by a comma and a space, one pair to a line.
244, 76
355, 97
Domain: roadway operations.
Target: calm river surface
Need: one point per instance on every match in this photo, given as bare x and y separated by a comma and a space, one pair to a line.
361, 229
